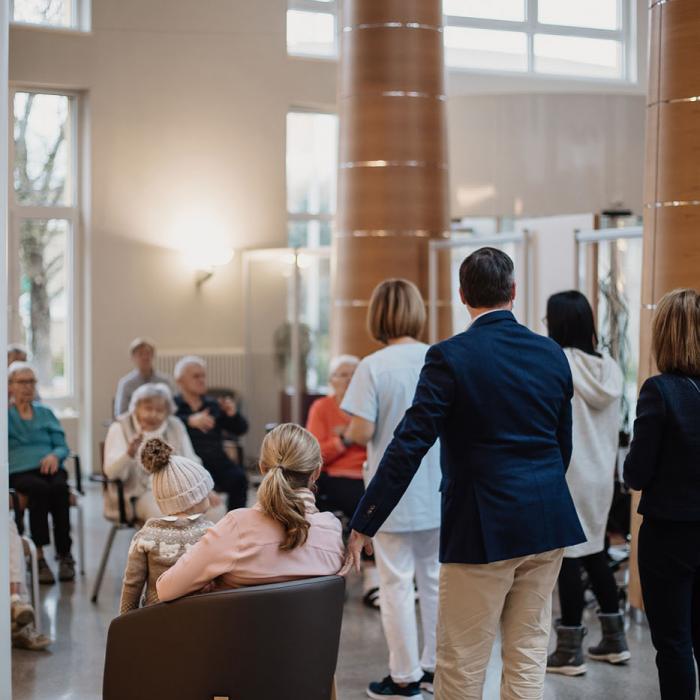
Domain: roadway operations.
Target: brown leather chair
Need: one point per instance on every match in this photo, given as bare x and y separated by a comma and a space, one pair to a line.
259, 643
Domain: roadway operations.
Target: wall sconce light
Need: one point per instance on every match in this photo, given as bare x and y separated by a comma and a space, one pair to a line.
205, 261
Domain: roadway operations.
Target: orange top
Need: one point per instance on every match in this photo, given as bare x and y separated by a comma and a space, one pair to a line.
340, 461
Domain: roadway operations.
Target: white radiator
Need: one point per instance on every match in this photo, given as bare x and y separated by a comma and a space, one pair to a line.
225, 367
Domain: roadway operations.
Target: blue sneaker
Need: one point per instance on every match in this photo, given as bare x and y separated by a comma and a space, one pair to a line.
388, 690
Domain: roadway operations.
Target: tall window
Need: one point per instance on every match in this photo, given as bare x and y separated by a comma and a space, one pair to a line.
575, 38
43, 225
311, 28
312, 144
49, 13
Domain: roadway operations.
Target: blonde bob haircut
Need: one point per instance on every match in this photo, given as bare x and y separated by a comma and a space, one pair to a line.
676, 333
396, 310
289, 457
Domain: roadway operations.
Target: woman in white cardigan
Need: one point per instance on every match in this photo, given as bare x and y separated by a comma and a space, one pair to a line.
598, 385
150, 415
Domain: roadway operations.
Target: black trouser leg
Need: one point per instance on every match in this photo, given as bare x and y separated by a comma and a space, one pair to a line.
570, 592
59, 503
669, 564
602, 582
35, 487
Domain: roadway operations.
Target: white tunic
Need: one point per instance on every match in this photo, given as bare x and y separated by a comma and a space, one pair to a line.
596, 424
381, 390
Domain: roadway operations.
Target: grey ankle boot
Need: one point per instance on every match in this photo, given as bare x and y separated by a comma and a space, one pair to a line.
613, 646
567, 658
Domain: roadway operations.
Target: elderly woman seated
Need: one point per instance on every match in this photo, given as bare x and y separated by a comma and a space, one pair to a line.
150, 415
37, 449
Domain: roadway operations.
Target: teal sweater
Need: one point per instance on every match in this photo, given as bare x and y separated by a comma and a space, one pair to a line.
31, 440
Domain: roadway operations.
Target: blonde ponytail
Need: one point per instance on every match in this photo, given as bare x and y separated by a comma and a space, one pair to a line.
288, 457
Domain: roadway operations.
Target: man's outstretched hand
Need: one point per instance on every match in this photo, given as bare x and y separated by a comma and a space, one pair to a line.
353, 552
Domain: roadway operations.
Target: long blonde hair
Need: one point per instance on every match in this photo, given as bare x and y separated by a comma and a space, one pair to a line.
288, 457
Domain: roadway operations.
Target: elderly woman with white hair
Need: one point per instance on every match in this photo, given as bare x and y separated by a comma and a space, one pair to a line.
206, 418
37, 450
151, 414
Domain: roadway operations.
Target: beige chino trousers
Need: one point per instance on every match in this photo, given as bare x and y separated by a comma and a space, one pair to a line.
474, 599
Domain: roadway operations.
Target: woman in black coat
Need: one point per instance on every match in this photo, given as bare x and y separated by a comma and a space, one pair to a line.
664, 463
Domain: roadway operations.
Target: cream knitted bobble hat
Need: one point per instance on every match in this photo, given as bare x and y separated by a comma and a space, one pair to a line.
178, 483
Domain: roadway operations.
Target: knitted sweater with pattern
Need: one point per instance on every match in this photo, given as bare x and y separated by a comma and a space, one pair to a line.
154, 549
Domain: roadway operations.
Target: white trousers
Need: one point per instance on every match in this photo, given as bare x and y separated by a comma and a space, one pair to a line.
400, 557
474, 600
17, 563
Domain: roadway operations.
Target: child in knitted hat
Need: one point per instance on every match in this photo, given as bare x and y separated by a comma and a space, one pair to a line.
181, 489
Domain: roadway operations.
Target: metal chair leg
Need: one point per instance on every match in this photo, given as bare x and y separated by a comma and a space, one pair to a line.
103, 562
81, 539
34, 561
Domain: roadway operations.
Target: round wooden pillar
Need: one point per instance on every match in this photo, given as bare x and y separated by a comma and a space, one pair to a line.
392, 183
672, 183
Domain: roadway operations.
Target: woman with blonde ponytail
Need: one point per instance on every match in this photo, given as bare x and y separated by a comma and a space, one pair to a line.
282, 538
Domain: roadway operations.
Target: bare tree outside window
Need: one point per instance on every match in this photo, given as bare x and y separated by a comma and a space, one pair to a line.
57, 13
42, 183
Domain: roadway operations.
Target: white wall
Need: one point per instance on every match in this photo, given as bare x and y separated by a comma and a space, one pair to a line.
185, 144
541, 155
184, 132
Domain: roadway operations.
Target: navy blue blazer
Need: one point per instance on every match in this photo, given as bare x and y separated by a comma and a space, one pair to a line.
664, 458
499, 398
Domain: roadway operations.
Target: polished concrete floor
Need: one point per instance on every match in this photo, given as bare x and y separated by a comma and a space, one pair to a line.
73, 666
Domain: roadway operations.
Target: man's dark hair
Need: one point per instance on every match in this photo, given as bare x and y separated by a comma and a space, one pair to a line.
486, 278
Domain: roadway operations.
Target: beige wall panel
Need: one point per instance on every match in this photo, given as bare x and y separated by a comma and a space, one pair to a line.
651, 154
679, 76
393, 129
678, 166
374, 259
371, 11
391, 59
396, 198
677, 249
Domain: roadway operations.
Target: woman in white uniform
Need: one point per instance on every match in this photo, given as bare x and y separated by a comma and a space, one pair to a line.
406, 547
598, 387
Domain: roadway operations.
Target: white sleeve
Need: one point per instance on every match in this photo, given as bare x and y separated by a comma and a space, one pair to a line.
361, 397
117, 463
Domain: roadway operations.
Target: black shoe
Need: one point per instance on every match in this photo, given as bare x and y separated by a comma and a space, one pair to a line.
613, 646
388, 690
426, 683
45, 574
567, 658
66, 568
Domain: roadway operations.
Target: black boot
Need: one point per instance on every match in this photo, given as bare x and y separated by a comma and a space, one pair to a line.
567, 658
613, 646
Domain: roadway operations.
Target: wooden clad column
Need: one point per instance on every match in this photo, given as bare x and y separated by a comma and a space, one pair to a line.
672, 176
392, 185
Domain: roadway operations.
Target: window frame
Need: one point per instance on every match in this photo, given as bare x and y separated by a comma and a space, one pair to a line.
307, 217
17, 213
331, 7
626, 35
81, 12
531, 26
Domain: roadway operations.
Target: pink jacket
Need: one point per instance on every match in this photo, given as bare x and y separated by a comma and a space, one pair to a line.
242, 549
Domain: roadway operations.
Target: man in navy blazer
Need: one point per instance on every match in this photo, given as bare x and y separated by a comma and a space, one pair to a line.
499, 398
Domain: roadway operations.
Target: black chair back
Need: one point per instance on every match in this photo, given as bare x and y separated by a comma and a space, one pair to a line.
259, 643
